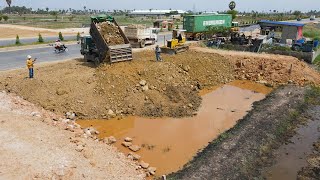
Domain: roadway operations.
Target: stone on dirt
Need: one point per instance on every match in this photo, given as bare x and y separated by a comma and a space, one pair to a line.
134, 156
79, 148
110, 140
143, 82
134, 148
111, 113
152, 170
144, 165
126, 144
145, 88
128, 139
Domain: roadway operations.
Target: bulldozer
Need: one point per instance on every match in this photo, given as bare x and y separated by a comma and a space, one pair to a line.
177, 44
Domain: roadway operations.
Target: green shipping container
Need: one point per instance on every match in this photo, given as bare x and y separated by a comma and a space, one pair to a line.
198, 23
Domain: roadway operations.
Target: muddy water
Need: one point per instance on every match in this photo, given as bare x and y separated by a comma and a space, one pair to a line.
292, 157
169, 143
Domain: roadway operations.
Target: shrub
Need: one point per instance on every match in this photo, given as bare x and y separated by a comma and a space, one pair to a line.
18, 40
5, 18
40, 39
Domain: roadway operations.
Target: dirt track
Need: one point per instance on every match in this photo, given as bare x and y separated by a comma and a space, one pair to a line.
32, 148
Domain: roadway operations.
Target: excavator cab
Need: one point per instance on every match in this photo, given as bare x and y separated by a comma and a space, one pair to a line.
177, 43
235, 27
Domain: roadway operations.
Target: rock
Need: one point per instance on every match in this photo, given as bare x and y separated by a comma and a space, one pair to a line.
91, 130
186, 68
110, 140
134, 148
152, 170
143, 82
35, 114
134, 156
79, 148
78, 132
144, 165
126, 144
65, 121
111, 113
72, 116
145, 88
190, 105
128, 139
61, 92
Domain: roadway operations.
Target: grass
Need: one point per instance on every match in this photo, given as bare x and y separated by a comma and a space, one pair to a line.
64, 21
312, 31
34, 43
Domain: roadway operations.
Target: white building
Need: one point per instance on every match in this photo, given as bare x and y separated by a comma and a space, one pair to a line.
154, 12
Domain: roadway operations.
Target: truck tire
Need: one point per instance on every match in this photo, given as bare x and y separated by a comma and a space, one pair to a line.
96, 61
142, 44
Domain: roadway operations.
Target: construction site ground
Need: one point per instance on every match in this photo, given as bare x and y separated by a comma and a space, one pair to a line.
147, 88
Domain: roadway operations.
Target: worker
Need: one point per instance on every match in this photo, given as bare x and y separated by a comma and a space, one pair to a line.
158, 52
57, 44
30, 63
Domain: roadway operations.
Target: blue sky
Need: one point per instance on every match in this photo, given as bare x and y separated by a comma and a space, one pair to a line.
208, 5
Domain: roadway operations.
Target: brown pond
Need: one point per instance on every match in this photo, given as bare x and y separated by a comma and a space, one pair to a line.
169, 143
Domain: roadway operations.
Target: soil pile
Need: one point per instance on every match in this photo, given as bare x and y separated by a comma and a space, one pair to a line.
110, 33
269, 69
141, 87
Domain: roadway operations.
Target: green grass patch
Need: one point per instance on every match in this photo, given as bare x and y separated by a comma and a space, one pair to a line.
311, 31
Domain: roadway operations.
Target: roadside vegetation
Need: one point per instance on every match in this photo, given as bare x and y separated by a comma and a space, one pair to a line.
312, 31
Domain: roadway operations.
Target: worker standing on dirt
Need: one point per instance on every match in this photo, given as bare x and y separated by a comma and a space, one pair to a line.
30, 63
158, 52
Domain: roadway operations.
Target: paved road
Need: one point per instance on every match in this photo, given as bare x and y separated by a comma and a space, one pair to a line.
33, 40
305, 21
16, 59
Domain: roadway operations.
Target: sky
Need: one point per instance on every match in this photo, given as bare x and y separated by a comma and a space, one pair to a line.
200, 5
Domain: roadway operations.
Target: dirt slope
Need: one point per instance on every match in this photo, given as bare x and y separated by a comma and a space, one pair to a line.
32, 149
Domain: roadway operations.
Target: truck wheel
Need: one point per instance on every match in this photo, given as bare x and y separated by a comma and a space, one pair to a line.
142, 44
96, 61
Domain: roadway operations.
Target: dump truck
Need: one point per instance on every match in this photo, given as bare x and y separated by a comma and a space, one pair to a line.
140, 35
196, 26
106, 42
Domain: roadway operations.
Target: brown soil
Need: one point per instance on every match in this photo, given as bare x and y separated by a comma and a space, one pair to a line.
33, 146
170, 85
271, 69
110, 33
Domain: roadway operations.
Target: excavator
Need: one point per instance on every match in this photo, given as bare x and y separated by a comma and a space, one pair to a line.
177, 44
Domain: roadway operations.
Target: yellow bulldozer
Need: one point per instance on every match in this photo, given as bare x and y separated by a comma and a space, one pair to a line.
177, 44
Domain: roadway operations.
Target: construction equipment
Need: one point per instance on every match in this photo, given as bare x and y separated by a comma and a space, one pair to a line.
177, 44
139, 35
196, 26
95, 47
235, 27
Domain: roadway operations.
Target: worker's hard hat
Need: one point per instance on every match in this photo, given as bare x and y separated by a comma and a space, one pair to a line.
29, 57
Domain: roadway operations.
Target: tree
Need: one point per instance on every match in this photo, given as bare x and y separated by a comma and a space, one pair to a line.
5, 18
40, 39
9, 4
233, 13
18, 40
232, 5
297, 13
60, 36
47, 9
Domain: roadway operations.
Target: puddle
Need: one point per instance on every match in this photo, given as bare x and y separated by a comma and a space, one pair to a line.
169, 143
292, 157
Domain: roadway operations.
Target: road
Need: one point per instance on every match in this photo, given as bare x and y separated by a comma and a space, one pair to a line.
16, 59
305, 21
33, 40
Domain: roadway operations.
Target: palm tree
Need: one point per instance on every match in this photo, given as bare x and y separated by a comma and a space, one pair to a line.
9, 4
232, 5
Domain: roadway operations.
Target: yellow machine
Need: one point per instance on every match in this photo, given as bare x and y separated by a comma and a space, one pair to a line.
177, 44
235, 27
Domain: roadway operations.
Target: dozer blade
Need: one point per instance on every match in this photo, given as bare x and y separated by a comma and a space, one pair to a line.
176, 50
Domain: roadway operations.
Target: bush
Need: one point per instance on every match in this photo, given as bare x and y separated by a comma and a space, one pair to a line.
60, 36
78, 36
18, 40
40, 39
0, 17
5, 17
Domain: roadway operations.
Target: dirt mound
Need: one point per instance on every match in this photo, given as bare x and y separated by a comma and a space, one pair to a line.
269, 69
110, 33
170, 88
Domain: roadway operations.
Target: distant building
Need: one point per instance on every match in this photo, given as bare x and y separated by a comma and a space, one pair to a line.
209, 12
281, 30
153, 12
